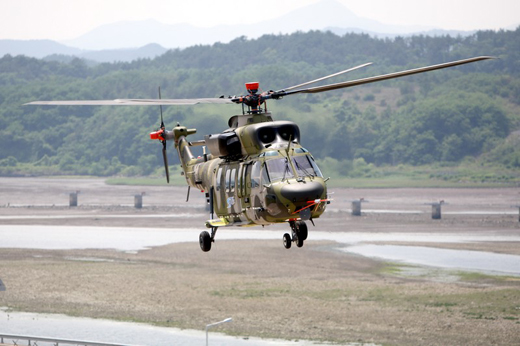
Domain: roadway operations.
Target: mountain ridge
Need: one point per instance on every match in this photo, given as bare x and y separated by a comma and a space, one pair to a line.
130, 40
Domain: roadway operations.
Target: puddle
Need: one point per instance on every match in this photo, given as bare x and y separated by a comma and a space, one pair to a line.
485, 262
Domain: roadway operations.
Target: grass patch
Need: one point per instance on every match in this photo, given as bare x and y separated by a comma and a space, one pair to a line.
432, 176
396, 181
390, 268
511, 318
475, 276
251, 293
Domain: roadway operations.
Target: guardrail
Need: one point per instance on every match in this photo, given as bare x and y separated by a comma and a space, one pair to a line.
13, 339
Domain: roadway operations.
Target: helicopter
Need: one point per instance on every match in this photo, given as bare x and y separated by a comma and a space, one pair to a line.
256, 171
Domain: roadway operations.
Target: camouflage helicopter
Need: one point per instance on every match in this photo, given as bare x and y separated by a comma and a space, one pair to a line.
256, 171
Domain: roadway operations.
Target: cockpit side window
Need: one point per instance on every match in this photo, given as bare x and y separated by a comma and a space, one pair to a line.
315, 166
255, 174
265, 176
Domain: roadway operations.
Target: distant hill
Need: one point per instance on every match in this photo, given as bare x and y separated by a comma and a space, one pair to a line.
150, 50
319, 16
35, 48
51, 50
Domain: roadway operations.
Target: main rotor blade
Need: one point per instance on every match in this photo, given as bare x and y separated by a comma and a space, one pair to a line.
165, 158
385, 76
327, 77
133, 102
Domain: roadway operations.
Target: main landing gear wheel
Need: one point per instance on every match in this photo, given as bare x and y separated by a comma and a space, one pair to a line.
299, 241
205, 239
299, 234
301, 230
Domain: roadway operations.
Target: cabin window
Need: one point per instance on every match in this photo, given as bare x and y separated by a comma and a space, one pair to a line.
228, 173
219, 178
240, 183
247, 172
232, 180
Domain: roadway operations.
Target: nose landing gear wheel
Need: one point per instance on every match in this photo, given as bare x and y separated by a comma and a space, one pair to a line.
287, 241
299, 234
205, 241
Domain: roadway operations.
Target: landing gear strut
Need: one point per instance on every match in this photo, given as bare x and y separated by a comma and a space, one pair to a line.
205, 239
299, 234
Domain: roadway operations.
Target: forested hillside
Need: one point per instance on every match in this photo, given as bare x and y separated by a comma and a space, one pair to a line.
460, 115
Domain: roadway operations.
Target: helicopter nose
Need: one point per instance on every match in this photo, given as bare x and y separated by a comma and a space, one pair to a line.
303, 192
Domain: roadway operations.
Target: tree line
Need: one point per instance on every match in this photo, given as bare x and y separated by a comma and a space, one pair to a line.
441, 116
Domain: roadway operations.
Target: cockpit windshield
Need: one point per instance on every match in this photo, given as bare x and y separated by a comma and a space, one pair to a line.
303, 166
281, 169
278, 169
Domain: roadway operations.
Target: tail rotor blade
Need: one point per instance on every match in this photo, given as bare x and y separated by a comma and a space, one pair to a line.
160, 107
165, 158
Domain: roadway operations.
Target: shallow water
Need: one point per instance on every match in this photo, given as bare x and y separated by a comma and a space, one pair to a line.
136, 239
85, 329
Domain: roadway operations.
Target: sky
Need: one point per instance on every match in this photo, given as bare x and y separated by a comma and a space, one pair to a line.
68, 19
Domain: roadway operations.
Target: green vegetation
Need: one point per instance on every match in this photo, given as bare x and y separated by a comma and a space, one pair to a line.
445, 128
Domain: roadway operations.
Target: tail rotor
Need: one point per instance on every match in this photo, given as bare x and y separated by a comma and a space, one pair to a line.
160, 135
